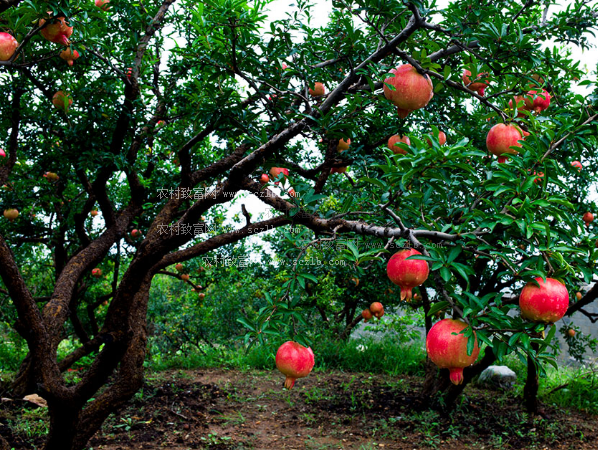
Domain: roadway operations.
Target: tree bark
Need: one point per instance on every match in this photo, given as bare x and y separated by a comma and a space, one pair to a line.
530, 391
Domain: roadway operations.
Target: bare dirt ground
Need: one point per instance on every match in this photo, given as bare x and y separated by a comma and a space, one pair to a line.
217, 409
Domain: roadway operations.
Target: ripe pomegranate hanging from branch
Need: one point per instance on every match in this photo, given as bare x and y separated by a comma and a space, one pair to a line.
407, 273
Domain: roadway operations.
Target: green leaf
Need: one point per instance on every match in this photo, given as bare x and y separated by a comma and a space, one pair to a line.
438, 307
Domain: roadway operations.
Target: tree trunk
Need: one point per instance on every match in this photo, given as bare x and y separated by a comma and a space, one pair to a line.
438, 381
64, 423
24, 382
530, 391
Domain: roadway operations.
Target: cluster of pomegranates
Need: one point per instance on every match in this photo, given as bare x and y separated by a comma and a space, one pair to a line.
376, 310
540, 301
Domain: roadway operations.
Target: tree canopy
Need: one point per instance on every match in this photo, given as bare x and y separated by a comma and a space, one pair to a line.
173, 109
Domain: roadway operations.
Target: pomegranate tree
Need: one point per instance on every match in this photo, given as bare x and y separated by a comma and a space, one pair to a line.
11, 214
318, 90
477, 86
447, 348
411, 91
405, 273
544, 302
393, 140
57, 30
502, 138
294, 361
8, 46
69, 55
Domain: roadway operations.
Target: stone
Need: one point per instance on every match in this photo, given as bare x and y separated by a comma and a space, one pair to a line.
497, 377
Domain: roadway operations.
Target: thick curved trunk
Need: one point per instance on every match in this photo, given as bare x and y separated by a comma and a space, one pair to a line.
437, 382
71, 426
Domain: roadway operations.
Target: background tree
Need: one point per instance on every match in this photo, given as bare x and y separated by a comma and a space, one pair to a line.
172, 98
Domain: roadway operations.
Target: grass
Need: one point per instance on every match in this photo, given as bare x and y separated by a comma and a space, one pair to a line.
386, 357
565, 387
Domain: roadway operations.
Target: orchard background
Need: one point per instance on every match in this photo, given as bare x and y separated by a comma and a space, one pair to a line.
190, 185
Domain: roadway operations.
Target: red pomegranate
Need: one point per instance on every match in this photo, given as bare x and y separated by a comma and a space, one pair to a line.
395, 140
264, 179
8, 46
103, 4
2, 154
588, 218
540, 100
448, 350
523, 103
185, 277
577, 165
179, 267
545, 303
343, 145
295, 361
62, 101
502, 137
411, 89
377, 309
407, 274
292, 192
51, 176
441, 139
318, 90
275, 171
57, 31
367, 315
11, 214
571, 332
96, 272
135, 233
93, 213
478, 86
338, 170
69, 55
